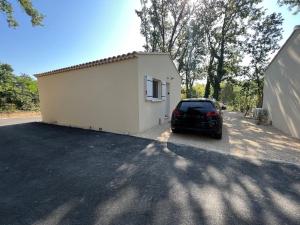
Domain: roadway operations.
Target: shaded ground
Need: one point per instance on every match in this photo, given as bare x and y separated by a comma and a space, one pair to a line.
58, 175
241, 137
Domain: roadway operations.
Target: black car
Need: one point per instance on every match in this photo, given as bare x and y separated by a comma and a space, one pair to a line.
202, 115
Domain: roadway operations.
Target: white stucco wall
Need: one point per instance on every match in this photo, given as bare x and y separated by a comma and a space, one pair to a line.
158, 66
109, 97
104, 96
282, 87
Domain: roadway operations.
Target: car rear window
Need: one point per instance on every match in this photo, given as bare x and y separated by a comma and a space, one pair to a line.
184, 106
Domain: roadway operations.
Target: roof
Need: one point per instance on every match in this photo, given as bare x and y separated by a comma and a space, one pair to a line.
296, 28
113, 59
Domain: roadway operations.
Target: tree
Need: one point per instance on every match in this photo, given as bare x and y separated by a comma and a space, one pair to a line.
169, 26
211, 38
6, 85
191, 51
227, 94
162, 22
225, 24
199, 90
266, 32
239, 95
26, 93
7, 8
292, 4
17, 92
208, 16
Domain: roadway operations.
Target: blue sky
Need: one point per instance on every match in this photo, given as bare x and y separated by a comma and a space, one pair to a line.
80, 31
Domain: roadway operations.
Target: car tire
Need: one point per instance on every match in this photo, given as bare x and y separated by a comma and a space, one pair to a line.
174, 130
218, 136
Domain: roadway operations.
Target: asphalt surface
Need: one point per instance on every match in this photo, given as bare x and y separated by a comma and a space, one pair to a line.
58, 175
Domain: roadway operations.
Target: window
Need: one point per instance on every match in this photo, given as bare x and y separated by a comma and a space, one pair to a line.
185, 105
156, 89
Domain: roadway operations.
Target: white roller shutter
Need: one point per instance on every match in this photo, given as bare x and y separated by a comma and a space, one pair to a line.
163, 90
148, 87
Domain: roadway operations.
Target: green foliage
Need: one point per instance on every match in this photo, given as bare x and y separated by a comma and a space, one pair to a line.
261, 43
212, 39
239, 96
162, 23
169, 26
196, 92
17, 92
225, 24
7, 8
244, 91
191, 55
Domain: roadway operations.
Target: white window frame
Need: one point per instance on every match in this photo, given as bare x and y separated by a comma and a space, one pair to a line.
161, 89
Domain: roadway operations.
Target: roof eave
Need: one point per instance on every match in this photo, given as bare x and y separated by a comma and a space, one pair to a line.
90, 64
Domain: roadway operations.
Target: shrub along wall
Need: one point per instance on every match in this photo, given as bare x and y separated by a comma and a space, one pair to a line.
17, 92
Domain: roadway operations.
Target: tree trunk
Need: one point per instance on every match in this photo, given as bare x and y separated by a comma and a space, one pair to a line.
187, 91
217, 90
260, 87
209, 76
207, 88
259, 99
220, 72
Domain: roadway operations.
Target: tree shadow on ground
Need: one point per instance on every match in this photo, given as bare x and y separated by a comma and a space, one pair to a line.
59, 175
260, 141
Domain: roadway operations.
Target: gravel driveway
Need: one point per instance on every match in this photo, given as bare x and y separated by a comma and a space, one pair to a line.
241, 137
57, 175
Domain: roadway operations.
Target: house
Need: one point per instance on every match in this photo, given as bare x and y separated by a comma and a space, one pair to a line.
128, 93
282, 87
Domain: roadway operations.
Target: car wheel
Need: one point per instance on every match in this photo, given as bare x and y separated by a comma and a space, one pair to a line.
174, 130
218, 135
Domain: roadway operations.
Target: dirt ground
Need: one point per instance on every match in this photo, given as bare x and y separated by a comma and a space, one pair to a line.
241, 137
20, 114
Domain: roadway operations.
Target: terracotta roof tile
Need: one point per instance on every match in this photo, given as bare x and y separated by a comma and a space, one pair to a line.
91, 64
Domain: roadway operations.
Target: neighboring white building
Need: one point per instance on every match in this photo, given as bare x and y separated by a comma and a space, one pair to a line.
282, 87
123, 94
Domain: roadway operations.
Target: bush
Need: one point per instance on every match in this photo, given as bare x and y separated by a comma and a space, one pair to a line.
17, 92
240, 96
8, 108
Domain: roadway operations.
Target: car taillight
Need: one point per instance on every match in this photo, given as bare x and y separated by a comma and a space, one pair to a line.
176, 113
211, 114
